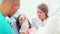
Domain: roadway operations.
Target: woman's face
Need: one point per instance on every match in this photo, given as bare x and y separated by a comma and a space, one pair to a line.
41, 14
21, 19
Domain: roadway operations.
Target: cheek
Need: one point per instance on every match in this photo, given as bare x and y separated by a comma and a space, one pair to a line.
43, 15
20, 22
38, 14
13, 12
6, 8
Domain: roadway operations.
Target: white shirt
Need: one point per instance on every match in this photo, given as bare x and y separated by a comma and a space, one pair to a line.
38, 23
52, 26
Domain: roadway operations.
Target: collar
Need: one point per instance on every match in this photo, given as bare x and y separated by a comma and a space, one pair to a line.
1, 15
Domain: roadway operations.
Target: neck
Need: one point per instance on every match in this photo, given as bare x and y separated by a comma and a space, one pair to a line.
3, 12
43, 19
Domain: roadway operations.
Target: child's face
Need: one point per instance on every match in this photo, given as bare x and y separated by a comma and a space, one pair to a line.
22, 18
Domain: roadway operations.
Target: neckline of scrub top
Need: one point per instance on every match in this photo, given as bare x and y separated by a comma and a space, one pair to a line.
1, 15
4, 23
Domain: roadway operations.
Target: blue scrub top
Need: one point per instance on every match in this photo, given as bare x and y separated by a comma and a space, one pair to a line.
5, 27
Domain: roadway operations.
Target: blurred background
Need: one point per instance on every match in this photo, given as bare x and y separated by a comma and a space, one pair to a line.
29, 7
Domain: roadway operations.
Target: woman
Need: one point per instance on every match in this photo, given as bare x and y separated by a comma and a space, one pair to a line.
23, 24
52, 26
42, 11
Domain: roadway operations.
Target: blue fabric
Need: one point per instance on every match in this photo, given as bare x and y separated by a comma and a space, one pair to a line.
15, 31
14, 26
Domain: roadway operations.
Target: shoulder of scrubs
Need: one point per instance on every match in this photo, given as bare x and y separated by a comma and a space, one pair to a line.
24, 27
5, 27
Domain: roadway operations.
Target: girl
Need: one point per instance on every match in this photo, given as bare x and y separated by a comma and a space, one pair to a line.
23, 24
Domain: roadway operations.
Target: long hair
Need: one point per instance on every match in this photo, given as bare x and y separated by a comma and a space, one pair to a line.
17, 23
19, 27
